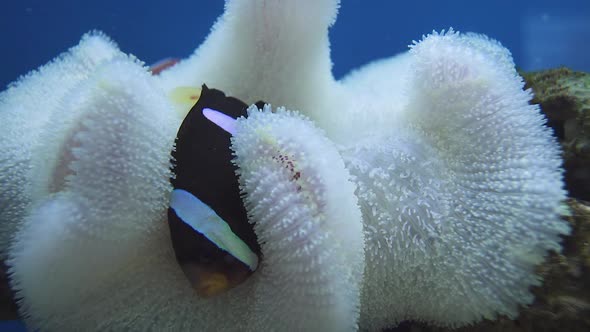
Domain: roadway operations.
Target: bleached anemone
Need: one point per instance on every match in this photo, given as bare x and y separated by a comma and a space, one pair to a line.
26, 108
458, 180
461, 197
97, 254
112, 164
306, 219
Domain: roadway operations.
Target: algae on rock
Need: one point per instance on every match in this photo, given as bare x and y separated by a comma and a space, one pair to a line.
564, 96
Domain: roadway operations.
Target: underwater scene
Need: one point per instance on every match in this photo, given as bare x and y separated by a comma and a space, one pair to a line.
295, 165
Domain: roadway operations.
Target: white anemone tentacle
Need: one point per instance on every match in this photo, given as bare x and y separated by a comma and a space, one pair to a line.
103, 246
461, 199
307, 220
25, 110
458, 180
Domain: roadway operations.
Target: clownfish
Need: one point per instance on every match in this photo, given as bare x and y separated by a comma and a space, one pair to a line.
214, 243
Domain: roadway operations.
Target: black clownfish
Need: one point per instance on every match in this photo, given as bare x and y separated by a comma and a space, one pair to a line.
215, 245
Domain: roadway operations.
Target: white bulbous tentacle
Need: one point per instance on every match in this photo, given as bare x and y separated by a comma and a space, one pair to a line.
300, 198
25, 109
463, 200
458, 180
106, 250
113, 192
276, 51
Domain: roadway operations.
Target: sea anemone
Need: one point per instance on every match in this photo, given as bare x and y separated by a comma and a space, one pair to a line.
307, 220
458, 182
26, 108
101, 245
112, 196
460, 190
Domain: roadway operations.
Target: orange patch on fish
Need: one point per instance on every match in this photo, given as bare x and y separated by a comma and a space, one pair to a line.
211, 284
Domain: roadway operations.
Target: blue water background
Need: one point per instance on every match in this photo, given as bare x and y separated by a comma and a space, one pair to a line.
540, 34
